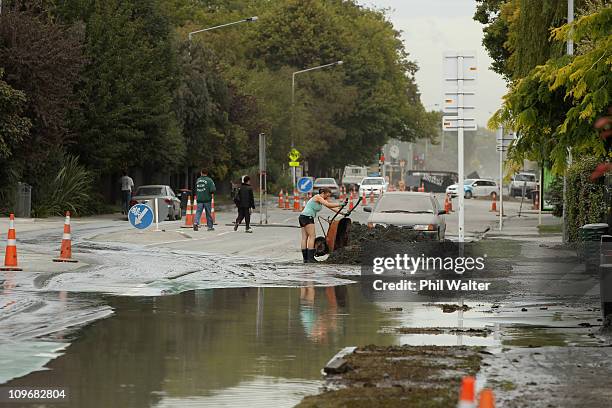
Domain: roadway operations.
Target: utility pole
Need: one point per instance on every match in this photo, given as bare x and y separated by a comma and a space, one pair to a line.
570, 51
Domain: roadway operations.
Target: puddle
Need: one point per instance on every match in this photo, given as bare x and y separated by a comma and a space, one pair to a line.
257, 346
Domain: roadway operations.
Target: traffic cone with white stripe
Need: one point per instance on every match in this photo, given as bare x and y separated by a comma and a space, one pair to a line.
212, 211
10, 256
280, 199
188, 215
66, 250
364, 200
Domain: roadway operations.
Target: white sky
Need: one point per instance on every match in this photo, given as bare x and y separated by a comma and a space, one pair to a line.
430, 27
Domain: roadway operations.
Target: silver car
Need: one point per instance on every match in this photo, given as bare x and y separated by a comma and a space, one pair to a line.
420, 212
329, 183
168, 202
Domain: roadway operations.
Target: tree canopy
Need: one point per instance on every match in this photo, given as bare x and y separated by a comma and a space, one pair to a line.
554, 107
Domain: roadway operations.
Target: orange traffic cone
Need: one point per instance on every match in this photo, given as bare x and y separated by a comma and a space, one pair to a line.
280, 199
467, 394
66, 250
487, 399
494, 203
296, 201
212, 211
351, 205
422, 187
372, 197
10, 256
287, 201
447, 204
188, 215
364, 200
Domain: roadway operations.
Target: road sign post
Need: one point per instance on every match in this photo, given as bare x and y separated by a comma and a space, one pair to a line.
459, 68
141, 216
305, 185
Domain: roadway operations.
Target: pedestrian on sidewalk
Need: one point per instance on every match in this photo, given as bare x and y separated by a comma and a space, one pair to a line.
307, 223
205, 190
127, 184
245, 202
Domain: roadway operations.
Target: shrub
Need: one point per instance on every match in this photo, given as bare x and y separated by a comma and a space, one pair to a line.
585, 199
69, 190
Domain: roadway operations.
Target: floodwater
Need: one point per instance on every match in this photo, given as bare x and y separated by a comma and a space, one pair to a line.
226, 347
255, 347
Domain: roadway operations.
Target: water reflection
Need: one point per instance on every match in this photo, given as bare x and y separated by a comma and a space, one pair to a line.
198, 346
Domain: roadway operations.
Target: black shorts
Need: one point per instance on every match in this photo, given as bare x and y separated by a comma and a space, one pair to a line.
305, 220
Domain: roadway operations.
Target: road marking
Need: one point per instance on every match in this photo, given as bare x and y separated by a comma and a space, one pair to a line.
223, 233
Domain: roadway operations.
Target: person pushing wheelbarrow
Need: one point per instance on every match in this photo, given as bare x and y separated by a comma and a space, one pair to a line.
307, 221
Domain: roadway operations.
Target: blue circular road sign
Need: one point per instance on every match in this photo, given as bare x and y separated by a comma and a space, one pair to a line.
141, 216
305, 184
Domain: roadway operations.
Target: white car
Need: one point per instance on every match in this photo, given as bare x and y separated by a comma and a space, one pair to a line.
375, 185
475, 188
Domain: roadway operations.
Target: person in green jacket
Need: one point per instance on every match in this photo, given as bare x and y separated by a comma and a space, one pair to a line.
205, 190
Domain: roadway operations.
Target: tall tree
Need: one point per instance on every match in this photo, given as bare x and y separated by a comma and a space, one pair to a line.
126, 117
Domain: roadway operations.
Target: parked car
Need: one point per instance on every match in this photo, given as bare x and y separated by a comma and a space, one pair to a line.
420, 212
523, 181
376, 185
329, 183
169, 204
475, 188
352, 176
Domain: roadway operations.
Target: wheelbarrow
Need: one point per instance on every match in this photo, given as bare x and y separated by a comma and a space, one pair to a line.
337, 233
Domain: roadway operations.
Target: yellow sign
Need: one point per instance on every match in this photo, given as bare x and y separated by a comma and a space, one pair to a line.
294, 155
294, 164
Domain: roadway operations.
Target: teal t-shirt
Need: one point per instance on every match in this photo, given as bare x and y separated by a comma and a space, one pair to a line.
312, 208
205, 187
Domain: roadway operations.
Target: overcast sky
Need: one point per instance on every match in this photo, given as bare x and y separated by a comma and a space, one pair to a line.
430, 27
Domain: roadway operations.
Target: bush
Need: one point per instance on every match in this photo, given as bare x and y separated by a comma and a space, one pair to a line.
69, 190
585, 199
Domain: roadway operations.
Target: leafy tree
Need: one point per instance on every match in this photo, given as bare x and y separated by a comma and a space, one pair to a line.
14, 127
555, 106
42, 59
126, 118
516, 33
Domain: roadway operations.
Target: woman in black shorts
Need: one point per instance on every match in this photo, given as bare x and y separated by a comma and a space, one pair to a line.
307, 223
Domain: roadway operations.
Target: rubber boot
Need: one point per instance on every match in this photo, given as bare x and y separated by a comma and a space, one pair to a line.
311, 258
305, 255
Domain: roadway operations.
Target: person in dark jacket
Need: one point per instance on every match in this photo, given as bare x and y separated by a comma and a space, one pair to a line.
245, 201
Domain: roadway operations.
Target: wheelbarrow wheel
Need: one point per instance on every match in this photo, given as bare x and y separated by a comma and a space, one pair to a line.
320, 246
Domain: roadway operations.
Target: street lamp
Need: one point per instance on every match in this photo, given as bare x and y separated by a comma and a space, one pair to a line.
293, 98
244, 20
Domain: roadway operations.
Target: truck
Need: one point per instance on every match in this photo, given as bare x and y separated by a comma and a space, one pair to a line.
352, 176
523, 183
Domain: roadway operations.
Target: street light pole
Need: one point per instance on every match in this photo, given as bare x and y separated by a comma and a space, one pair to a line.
244, 20
570, 51
293, 103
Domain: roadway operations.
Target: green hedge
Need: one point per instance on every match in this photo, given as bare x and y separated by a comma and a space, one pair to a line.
585, 198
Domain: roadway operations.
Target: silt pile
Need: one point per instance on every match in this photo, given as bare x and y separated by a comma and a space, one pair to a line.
360, 237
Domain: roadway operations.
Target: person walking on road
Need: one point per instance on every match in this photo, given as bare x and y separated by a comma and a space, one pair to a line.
245, 201
127, 184
307, 223
205, 190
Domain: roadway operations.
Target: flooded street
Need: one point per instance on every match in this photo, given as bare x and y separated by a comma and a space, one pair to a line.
244, 346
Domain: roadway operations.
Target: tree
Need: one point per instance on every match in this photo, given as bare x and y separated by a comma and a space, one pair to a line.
42, 59
14, 127
126, 117
555, 106
516, 33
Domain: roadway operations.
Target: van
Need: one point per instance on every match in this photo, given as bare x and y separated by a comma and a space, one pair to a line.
352, 176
